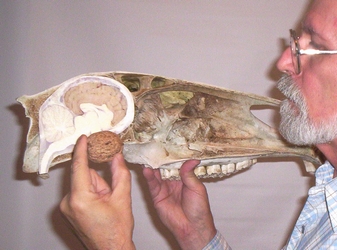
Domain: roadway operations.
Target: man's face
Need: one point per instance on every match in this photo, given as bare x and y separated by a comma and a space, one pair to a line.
309, 115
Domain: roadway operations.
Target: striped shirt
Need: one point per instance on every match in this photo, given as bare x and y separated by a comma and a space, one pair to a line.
316, 227
217, 243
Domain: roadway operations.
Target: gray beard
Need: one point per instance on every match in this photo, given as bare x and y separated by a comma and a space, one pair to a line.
296, 126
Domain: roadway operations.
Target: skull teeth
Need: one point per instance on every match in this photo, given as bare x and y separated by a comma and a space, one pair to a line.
169, 174
213, 171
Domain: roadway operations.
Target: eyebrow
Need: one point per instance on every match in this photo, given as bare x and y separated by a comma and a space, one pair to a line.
307, 28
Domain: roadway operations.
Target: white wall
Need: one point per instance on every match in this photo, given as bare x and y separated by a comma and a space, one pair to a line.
233, 44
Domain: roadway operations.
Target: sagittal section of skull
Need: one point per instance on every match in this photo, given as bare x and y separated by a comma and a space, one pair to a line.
161, 121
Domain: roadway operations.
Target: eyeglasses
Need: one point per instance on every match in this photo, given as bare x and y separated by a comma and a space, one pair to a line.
296, 51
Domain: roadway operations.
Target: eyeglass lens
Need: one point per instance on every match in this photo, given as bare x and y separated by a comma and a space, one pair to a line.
295, 55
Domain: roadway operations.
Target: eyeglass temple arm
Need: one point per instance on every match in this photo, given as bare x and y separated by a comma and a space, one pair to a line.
317, 52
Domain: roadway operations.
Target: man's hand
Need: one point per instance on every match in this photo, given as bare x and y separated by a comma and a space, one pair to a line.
101, 214
183, 206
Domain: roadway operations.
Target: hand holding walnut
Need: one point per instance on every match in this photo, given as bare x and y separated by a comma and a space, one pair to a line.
103, 145
101, 214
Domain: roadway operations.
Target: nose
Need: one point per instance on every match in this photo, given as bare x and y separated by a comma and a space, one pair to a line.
285, 63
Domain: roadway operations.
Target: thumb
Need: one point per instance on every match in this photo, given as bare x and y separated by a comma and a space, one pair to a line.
187, 174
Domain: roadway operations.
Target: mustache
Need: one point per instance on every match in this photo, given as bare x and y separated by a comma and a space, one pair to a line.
292, 92
289, 88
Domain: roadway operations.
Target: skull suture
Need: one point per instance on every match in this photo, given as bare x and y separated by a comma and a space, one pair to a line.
162, 122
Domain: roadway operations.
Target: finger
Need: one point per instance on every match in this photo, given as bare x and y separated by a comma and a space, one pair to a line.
121, 176
148, 174
187, 174
153, 179
151, 174
80, 173
150, 177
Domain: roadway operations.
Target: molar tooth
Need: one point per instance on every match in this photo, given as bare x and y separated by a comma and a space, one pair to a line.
174, 172
224, 169
165, 173
228, 169
240, 165
214, 170
169, 174
245, 164
200, 171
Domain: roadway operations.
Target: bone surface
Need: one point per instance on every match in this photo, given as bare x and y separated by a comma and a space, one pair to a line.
161, 121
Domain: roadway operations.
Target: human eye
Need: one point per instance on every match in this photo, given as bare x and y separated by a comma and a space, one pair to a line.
311, 38
315, 45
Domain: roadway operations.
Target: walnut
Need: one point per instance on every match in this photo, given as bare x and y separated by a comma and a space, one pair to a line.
102, 146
